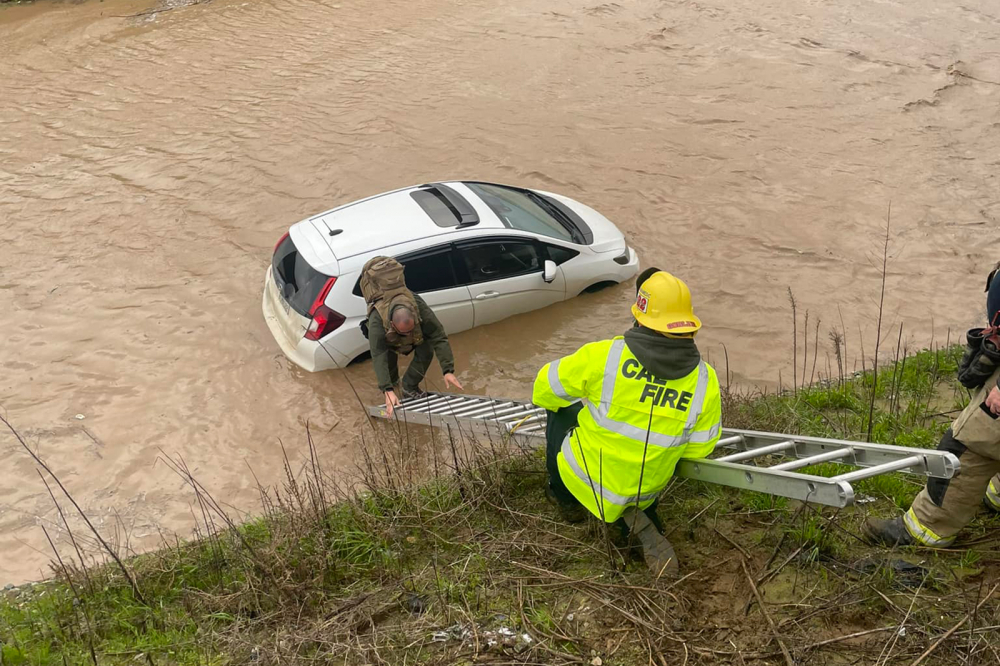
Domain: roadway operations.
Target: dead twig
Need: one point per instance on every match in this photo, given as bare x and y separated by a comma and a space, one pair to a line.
919, 660
763, 610
887, 650
878, 329
738, 547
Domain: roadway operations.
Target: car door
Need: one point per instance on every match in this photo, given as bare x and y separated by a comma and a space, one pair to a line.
505, 277
431, 273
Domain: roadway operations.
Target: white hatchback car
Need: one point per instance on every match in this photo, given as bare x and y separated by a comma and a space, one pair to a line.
476, 252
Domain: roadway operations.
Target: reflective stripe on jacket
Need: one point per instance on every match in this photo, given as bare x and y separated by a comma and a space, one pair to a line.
628, 412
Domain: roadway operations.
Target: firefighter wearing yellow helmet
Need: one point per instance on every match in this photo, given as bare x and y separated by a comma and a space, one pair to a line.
623, 412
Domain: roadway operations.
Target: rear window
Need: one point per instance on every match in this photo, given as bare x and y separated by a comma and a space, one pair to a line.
298, 282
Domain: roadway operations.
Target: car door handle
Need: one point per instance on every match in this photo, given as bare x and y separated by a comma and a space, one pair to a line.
487, 294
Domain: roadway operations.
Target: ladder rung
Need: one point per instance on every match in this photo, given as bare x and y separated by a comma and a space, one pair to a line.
525, 421
499, 412
893, 466
423, 403
727, 441
509, 418
444, 408
478, 408
836, 454
760, 451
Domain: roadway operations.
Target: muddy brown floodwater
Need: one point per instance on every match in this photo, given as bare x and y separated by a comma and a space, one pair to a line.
148, 165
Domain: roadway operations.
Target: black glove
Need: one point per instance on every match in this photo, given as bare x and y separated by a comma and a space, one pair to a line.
980, 360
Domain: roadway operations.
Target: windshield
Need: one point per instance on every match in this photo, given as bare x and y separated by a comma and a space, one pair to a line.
523, 210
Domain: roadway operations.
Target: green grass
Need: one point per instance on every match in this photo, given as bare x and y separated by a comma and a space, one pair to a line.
911, 401
326, 576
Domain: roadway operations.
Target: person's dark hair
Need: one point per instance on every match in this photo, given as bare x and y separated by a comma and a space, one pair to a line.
643, 276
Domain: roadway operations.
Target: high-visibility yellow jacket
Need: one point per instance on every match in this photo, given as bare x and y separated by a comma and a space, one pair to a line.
630, 414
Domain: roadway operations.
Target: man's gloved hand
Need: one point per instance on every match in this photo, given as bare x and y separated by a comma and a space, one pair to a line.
391, 402
450, 378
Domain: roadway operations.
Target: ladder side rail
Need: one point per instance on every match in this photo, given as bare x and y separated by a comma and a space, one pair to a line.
805, 487
443, 420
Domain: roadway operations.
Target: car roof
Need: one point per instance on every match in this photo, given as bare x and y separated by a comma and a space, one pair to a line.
384, 221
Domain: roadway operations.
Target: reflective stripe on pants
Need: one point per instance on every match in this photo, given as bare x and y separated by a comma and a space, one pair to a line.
937, 524
993, 492
923, 534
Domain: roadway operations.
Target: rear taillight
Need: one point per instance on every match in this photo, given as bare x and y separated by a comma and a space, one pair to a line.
324, 320
280, 241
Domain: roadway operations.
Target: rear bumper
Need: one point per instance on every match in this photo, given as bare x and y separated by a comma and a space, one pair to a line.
309, 355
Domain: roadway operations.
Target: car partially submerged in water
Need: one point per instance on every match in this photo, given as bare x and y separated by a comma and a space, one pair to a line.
476, 252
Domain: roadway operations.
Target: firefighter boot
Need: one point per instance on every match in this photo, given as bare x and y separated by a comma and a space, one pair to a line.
656, 550
887, 532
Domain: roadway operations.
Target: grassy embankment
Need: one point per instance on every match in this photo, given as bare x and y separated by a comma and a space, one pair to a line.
473, 566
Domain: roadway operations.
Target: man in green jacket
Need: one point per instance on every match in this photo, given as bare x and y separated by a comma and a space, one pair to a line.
419, 332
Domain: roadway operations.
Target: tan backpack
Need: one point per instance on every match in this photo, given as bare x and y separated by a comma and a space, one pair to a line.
383, 288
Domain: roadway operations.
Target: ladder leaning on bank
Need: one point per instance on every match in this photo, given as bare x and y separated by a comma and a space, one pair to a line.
730, 464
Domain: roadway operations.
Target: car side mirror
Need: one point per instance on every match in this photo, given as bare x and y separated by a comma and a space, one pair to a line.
549, 274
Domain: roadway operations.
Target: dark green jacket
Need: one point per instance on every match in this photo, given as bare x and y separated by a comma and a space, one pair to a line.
434, 335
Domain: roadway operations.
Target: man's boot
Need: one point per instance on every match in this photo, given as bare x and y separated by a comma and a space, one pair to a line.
413, 393
656, 550
571, 513
888, 532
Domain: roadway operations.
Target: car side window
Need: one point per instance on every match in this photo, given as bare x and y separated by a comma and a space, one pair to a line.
429, 270
560, 254
496, 260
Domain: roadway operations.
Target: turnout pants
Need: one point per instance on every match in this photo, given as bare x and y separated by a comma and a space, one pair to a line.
945, 506
423, 355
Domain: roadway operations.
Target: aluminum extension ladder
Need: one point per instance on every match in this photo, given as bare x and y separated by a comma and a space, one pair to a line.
738, 449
